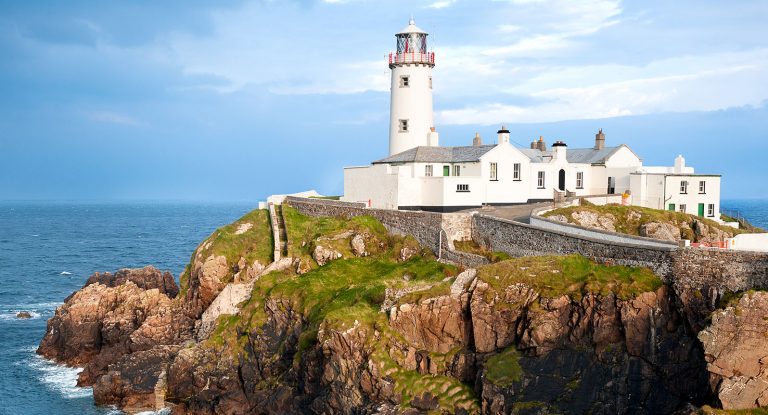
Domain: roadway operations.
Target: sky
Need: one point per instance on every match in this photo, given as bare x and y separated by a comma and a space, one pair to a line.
236, 100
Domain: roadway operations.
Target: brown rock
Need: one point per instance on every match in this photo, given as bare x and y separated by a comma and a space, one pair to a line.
358, 245
660, 230
323, 255
145, 278
735, 347
23, 315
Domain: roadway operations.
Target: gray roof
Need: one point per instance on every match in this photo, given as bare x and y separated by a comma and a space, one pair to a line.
438, 155
471, 154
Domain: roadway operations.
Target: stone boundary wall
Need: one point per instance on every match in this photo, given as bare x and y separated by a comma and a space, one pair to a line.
724, 269
519, 239
607, 236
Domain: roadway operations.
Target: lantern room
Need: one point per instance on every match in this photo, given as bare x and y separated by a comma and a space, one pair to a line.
412, 47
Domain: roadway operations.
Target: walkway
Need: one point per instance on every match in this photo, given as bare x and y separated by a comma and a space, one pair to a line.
517, 213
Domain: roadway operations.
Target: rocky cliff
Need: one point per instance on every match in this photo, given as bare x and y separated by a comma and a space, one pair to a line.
358, 321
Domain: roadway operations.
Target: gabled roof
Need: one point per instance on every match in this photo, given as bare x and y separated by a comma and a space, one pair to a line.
471, 154
438, 155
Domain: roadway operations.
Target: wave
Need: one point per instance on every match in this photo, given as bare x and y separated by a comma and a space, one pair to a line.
65, 273
58, 378
36, 310
11, 315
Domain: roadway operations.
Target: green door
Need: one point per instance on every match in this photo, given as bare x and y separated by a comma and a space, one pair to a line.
671, 207
701, 210
446, 171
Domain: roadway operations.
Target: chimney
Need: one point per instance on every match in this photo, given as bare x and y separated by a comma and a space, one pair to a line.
433, 138
503, 135
477, 141
599, 140
558, 150
679, 164
541, 145
534, 145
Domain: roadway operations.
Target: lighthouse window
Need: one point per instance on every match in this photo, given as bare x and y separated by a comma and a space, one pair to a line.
430, 82
405, 81
403, 126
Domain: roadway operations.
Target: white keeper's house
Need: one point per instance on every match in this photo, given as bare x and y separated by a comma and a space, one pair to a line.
419, 174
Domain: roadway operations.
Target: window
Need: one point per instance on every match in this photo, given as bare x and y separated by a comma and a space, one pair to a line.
580, 180
428, 170
702, 187
457, 171
516, 172
541, 180
405, 81
682, 208
494, 171
711, 210
462, 187
611, 185
446, 171
430, 82
403, 126
671, 207
684, 187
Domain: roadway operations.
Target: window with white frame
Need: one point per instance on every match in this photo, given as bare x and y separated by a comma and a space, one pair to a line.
403, 124
462, 187
579, 179
494, 171
457, 170
682, 208
405, 81
702, 187
684, 187
541, 180
428, 170
516, 172
711, 210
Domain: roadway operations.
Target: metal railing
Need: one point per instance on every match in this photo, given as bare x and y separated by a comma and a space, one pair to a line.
412, 57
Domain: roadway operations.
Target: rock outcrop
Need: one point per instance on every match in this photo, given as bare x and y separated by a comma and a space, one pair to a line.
99, 324
736, 351
361, 322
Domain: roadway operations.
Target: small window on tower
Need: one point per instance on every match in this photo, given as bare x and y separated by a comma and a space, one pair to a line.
430, 82
405, 81
403, 126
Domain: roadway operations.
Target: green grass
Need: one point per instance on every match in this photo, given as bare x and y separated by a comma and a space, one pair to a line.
303, 230
326, 197
255, 244
573, 275
504, 369
630, 224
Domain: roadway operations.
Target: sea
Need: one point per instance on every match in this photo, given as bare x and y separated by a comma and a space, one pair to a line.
48, 250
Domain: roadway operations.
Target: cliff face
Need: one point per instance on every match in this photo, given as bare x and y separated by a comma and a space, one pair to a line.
381, 327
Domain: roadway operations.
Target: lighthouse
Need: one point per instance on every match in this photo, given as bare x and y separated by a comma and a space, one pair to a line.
411, 121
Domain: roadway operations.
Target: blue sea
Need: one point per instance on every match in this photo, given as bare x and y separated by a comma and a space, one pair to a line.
48, 250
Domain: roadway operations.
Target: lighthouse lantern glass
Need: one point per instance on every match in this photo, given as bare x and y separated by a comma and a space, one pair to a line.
412, 43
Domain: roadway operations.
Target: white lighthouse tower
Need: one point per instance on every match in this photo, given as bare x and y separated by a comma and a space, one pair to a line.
411, 122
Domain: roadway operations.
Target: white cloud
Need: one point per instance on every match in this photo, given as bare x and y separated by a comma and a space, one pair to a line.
699, 83
442, 4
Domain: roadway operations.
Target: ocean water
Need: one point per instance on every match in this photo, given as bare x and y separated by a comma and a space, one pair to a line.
47, 251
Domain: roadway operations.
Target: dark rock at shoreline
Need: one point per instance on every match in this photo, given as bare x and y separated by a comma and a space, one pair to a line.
23, 315
145, 278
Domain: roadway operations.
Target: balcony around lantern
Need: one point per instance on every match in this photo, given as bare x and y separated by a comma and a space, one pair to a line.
427, 58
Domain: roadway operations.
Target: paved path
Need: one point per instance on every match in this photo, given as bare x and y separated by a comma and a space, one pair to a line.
518, 213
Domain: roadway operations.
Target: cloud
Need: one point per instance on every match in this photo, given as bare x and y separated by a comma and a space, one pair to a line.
442, 4
112, 118
696, 83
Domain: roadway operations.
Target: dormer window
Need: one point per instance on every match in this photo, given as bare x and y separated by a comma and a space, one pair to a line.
405, 81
